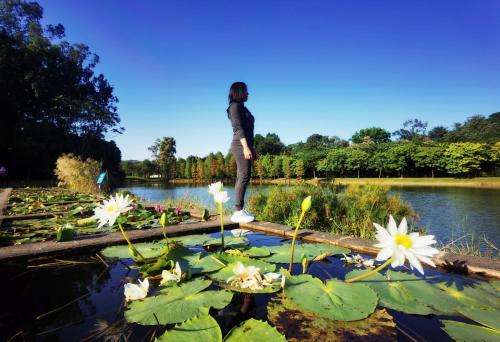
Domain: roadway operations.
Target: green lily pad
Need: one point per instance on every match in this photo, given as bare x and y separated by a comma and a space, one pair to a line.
468, 332
188, 260
177, 303
253, 330
147, 249
488, 318
393, 294
230, 261
281, 253
192, 240
229, 241
335, 300
288, 317
203, 328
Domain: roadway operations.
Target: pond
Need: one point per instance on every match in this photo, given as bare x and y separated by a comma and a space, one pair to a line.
448, 213
83, 300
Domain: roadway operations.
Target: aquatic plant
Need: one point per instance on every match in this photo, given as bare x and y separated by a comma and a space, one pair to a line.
306, 205
109, 212
76, 174
249, 277
163, 223
135, 292
220, 197
397, 246
175, 274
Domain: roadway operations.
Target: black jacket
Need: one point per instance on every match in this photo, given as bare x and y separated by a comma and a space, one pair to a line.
242, 121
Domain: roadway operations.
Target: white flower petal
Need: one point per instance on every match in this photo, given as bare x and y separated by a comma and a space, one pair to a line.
384, 254
414, 262
403, 226
392, 226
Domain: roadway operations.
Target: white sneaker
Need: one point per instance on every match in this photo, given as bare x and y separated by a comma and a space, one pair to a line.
241, 216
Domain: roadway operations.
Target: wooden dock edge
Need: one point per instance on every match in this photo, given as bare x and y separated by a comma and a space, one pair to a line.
485, 267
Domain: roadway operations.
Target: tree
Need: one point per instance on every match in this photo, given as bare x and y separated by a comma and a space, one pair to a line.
376, 134
465, 159
438, 133
163, 151
260, 169
476, 129
335, 161
356, 160
299, 169
52, 100
285, 160
413, 130
266, 161
220, 173
430, 157
276, 167
200, 170
270, 144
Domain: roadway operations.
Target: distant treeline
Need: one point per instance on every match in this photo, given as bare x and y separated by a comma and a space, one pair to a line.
51, 100
468, 149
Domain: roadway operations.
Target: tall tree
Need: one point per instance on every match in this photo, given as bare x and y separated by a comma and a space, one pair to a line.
163, 151
376, 134
270, 144
413, 130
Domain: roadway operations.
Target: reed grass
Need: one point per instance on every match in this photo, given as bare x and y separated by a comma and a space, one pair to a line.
77, 175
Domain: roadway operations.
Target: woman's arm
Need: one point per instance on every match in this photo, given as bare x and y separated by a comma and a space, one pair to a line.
238, 131
247, 152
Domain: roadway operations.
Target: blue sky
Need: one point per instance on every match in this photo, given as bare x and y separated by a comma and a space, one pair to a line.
324, 66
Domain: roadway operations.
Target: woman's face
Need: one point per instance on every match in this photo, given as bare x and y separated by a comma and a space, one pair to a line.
245, 95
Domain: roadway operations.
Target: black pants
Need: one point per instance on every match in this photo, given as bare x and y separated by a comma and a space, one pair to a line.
243, 173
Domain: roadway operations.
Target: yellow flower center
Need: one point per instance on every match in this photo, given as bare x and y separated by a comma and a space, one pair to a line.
404, 241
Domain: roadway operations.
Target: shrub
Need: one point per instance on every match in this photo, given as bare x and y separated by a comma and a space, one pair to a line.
350, 213
77, 175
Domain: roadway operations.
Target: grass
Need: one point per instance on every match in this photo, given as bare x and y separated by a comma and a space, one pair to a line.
479, 182
468, 245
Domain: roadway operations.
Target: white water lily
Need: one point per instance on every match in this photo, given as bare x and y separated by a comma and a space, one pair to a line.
111, 209
240, 232
215, 188
174, 274
249, 277
397, 245
221, 197
135, 292
358, 260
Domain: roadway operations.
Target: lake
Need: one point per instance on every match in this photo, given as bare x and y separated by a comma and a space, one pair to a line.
448, 213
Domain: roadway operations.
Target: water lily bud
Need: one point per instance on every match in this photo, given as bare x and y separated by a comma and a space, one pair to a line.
163, 219
306, 204
304, 264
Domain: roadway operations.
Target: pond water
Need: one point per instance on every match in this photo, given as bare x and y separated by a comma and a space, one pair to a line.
89, 298
448, 213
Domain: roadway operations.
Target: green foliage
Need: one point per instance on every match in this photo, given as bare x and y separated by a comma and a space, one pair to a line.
77, 175
54, 102
335, 299
465, 159
299, 169
177, 303
254, 330
349, 213
430, 157
163, 151
230, 261
460, 331
476, 129
202, 328
413, 130
375, 134
281, 253
270, 144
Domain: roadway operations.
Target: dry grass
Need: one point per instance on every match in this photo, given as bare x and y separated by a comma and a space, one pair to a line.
77, 175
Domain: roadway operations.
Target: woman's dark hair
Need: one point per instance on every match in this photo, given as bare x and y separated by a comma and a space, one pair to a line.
237, 92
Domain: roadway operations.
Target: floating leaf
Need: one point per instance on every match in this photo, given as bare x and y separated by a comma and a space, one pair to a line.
229, 241
287, 316
253, 330
230, 261
393, 294
147, 249
177, 303
468, 332
335, 299
281, 253
249, 251
489, 318
203, 328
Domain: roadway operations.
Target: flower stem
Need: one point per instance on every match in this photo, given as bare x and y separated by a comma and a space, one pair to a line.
130, 243
166, 239
292, 249
367, 274
221, 224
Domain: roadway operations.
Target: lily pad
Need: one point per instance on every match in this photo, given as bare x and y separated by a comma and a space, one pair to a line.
335, 300
489, 318
203, 328
249, 251
177, 303
192, 240
230, 261
289, 317
281, 253
147, 249
254, 330
229, 241
393, 294
468, 332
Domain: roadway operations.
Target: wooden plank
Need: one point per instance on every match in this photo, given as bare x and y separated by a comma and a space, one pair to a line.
487, 267
58, 203
94, 243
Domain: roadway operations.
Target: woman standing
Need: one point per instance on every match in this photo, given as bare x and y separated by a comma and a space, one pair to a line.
241, 146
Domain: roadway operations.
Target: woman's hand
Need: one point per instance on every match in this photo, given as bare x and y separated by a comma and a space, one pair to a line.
247, 153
